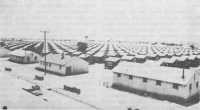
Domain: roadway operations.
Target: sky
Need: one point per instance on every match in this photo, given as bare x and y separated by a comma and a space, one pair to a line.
156, 20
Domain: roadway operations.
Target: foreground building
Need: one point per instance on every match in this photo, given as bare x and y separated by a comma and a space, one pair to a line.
173, 84
63, 64
24, 56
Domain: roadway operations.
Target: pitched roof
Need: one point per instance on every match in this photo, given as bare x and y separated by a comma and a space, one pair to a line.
140, 56
127, 57
84, 55
167, 74
56, 58
67, 60
20, 52
112, 59
99, 54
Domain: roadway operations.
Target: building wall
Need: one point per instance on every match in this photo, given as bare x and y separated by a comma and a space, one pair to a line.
79, 66
32, 58
76, 67
150, 86
16, 59
24, 59
53, 67
193, 82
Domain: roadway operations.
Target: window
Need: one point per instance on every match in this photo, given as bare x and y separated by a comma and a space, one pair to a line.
190, 87
49, 64
130, 77
175, 86
144, 80
118, 75
60, 67
197, 84
158, 83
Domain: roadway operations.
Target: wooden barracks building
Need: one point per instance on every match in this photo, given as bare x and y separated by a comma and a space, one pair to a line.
63, 64
24, 56
166, 83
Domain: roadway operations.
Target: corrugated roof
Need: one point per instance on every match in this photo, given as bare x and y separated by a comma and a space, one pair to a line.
168, 74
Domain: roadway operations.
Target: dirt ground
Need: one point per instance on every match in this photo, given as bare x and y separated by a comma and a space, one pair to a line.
95, 91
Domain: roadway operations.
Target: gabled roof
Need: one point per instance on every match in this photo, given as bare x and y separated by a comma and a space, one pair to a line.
67, 60
84, 55
167, 74
182, 58
20, 52
191, 57
127, 57
99, 54
112, 59
140, 56
56, 58
172, 60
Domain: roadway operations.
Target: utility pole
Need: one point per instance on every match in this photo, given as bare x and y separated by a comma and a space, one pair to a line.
45, 66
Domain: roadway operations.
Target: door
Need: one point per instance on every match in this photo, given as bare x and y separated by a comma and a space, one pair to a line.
68, 70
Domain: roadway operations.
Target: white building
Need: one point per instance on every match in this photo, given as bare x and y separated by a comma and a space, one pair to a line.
24, 56
64, 65
162, 82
